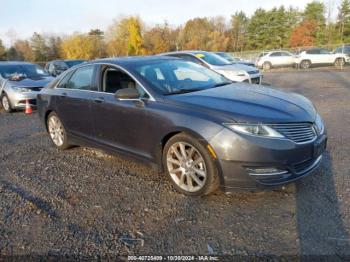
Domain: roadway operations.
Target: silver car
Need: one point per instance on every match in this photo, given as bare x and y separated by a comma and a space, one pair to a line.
234, 72
20, 82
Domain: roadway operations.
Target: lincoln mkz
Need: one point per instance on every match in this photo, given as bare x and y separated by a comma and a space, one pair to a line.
203, 131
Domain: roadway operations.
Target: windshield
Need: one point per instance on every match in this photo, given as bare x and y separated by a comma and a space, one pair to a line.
177, 76
228, 57
213, 59
22, 70
74, 63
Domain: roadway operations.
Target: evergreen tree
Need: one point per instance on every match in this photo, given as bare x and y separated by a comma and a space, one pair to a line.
2, 51
344, 21
39, 47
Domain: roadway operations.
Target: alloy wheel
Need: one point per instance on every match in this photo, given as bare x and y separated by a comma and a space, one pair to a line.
186, 167
56, 130
5, 103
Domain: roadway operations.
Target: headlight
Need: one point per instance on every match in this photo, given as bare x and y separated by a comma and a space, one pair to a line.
319, 124
241, 73
255, 130
21, 89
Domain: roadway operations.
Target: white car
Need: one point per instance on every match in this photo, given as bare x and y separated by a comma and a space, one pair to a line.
234, 72
320, 56
268, 60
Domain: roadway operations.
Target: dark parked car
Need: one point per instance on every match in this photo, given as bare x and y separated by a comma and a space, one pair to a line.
187, 120
20, 82
57, 67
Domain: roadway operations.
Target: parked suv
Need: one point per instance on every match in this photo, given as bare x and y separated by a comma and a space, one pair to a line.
20, 82
320, 56
234, 72
57, 67
344, 50
268, 60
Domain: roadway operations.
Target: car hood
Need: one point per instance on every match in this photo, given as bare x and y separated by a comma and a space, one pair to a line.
29, 82
249, 103
235, 67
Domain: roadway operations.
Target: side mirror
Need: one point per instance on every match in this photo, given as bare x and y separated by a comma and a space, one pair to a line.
127, 93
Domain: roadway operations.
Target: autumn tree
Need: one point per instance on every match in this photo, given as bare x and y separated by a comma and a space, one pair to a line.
159, 39
304, 34
124, 37
315, 14
24, 49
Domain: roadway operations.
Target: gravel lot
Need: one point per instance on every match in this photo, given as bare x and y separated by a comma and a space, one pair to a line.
84, 203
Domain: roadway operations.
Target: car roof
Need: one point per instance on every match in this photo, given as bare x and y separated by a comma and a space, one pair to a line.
193, 52
124, 61
15, 63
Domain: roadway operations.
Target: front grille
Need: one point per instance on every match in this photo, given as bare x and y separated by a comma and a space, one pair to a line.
297, 132
301, 167
36, 88
256, 80
253, 72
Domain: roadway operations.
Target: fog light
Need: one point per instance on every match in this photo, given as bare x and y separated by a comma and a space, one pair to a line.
265, 171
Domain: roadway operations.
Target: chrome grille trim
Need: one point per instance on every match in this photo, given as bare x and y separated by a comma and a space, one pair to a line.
300, 133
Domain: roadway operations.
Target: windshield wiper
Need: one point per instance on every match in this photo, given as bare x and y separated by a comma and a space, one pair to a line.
222, 84
182, 91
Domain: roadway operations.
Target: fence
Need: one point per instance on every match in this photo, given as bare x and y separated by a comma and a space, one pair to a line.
253, 55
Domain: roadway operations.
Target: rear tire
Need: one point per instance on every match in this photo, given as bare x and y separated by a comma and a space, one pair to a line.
189, 166
305, 64
5, 103
57, 131
267, 66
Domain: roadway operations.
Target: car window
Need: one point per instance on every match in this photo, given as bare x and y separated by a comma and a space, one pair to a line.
313, 52
285, 54
324, 52
114, 79
275, 54
179, 76
82, 79
65, 79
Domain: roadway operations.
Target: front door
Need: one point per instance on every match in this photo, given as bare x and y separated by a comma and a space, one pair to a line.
73, 101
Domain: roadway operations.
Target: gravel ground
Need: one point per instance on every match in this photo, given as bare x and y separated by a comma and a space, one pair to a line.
84, 203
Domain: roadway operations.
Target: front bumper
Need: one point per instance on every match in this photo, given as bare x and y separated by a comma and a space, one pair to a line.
239, 154
18, 100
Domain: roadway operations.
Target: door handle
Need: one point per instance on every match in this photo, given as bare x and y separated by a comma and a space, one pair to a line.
99, 100
64, 94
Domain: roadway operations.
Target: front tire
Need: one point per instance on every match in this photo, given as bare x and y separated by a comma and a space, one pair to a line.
339, 62
267, 66
57, 131
189, 166
6, 104
305, 64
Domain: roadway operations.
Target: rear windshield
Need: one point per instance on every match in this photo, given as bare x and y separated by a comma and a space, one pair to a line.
22, 70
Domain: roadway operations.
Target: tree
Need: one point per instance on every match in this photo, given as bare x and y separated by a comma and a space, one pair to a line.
13, 55
24, 49
304, 34
54, 48
2, 51
344, 21
159, 39
124, 37
315, 13
96, 37
239, 23
39, 47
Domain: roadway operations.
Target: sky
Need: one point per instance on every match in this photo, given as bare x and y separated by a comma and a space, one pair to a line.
19, 19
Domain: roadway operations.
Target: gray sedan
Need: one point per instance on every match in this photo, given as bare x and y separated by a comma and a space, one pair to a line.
20, 82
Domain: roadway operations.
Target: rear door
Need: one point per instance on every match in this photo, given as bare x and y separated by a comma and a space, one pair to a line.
287, 58
276, 59
73, 102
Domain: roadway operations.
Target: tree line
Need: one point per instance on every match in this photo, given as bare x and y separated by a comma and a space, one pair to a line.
266, 29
